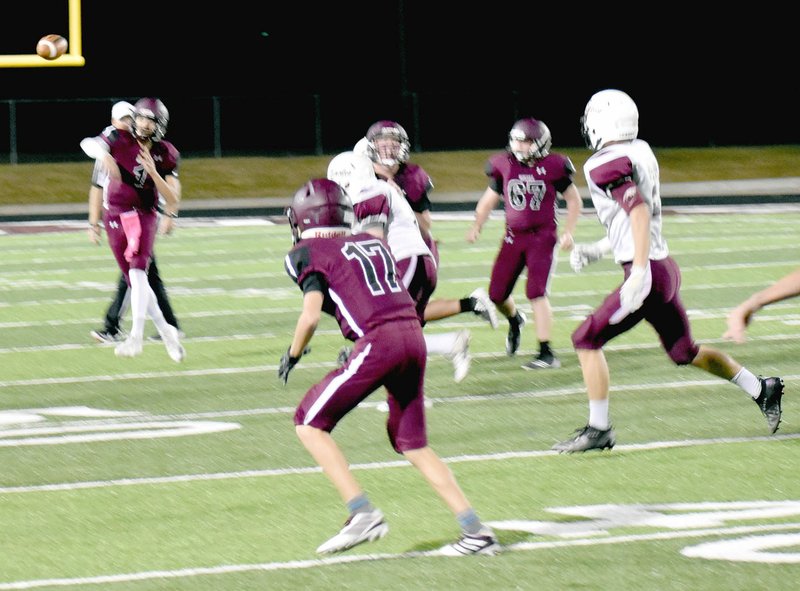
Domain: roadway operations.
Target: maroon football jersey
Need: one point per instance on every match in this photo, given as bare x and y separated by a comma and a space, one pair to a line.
136, 189
416, 185
358, 278
529, 192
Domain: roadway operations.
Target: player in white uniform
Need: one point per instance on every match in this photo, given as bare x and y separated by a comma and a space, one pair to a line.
381, 210
388, 146
623, 180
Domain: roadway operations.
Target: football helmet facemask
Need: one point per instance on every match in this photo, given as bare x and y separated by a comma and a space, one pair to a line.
153, 109
387, 143
610, 115
351, 171
319, 208
534, 131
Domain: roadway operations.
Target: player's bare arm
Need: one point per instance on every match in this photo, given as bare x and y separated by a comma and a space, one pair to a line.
739, 318
483, 209
574, 206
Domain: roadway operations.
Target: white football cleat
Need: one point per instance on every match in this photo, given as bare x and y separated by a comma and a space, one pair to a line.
359, 528
460, 356
172, 342
130, 347
484, 307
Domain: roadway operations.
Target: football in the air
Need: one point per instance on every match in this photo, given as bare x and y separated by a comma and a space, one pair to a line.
51, 47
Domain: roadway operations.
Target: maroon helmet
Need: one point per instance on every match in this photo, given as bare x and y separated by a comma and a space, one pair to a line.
390, 155
534, 131
154, 109
319, 204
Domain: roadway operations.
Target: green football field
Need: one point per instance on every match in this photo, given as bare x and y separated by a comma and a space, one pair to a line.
142, 474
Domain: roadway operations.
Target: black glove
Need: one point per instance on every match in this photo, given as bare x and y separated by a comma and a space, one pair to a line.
287, 363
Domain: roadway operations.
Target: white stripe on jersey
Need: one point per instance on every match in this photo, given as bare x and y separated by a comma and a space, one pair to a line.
344, 311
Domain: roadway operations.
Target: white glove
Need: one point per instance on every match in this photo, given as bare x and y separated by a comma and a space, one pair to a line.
584, 253
633, 292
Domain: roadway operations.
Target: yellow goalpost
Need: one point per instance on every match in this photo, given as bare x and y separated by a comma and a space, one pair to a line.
73, 57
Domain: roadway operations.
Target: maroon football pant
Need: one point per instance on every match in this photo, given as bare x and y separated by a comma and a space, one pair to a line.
148, 220
534, 250
662, 308
392, 355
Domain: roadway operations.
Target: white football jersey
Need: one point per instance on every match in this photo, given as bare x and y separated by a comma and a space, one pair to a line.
379, 203
612, 215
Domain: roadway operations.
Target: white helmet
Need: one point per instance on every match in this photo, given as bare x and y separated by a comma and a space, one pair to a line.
610, 115
351, 171
362, 147
121, 109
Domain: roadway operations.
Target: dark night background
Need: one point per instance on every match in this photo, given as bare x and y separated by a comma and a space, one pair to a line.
454, 76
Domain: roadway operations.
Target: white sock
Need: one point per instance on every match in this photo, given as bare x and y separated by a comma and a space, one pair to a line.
139, 296
748, 382
598, 414
155, 313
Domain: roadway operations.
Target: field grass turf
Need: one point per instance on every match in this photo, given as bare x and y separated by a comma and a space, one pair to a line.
142, 474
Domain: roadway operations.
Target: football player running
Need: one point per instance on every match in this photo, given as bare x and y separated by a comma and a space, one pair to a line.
529, 178
623, 179
354, 278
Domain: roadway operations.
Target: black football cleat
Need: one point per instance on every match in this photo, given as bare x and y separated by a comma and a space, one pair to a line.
515, 333
588, 438
769, 401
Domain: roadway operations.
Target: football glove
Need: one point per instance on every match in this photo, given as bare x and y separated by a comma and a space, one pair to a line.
344, 355
287, 364
633, 292
584, 253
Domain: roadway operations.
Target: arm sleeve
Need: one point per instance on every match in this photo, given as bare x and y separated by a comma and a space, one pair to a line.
313, 282
563, 183
495, 178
